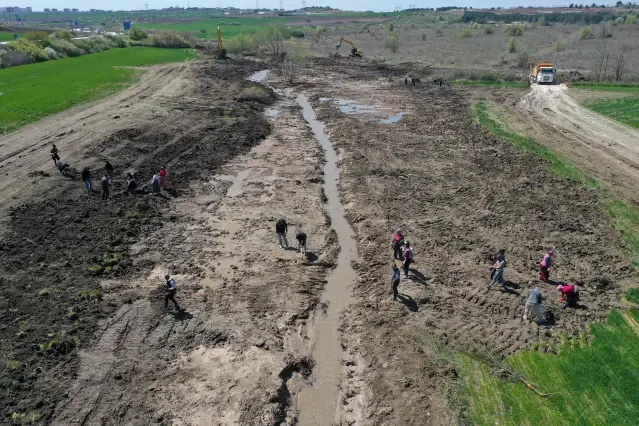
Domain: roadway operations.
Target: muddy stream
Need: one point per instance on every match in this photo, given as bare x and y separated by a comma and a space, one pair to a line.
318, 404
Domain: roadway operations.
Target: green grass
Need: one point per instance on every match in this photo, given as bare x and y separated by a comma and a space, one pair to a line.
491, 83
607, 87
632, 295
31, 92
4, 36
591, 385
623, 110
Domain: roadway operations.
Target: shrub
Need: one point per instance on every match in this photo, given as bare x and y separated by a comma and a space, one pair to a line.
423, 36
631, 19
523, 60
39, 37
620, 20
296, 33
138, 34
63, 35
391, 27
11, 58
463, 33
488, 30
202, 31
30, 49
392, 42
514, 30
51, 53
512, 47
95, 44
439, 31
169, 39
541, 21
586, 33
244, 44
66, 48
118, 41
255, 93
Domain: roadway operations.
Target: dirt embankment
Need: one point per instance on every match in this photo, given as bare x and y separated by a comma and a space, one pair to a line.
85, 335
606, 149
459, 195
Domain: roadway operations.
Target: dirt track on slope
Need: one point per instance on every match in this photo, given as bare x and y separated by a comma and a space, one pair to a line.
98, 348
607, 149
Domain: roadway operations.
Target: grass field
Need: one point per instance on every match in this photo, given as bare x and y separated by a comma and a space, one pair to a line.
591, 384
231, 27
31, 92
607, 87
4, 36
623, 110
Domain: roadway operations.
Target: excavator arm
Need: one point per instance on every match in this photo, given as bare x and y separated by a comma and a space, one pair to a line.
354, 50
220, 53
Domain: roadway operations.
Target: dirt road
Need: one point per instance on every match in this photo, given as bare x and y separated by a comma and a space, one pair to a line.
605, 148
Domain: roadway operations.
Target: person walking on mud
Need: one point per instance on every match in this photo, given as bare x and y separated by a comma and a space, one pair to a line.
105, 186
54, 155
280, 229
86, 178
544, 267
170, 289
398, 244
108, 168
163, 177
395, 278
498, 268
408, 258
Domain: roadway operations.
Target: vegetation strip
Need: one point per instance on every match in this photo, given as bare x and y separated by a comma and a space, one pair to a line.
31, 92
579, 385
623, 110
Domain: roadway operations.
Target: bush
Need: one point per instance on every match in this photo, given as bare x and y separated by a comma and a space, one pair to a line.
523, 60
257, 94
39, 37
51, 53
514, 30
586, 33
391, 27
29, 48
631, 19
66, 48
118, 41
423, 36
512, 47
488, 30
244, 44
392, 42
170, 39
63, 35
95, 44
463, 33
138, 34
11, 58
439, 31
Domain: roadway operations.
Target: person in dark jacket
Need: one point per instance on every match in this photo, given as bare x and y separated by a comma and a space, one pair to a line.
280, 229
54, 154
301, 241
395, 278
108, 168
105, 186
86, 178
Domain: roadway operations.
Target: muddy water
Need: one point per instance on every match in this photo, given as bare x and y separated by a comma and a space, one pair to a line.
318, 404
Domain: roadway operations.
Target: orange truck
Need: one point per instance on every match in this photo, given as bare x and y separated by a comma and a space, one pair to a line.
542, 73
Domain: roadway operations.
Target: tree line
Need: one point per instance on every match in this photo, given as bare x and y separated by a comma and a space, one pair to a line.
481, 17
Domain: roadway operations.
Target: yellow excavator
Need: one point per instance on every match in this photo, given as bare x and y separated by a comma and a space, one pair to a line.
220, 52
355, 52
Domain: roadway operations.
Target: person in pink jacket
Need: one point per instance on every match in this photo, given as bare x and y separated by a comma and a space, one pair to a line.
544, 267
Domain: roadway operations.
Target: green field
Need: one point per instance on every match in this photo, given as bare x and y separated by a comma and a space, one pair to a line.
4, 36
31, 92
590, 384
231, 27
491, 83
623, 110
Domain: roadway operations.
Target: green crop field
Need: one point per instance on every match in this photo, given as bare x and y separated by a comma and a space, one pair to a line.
4, 36
607, 87
31, 92
624, 110
230, 27
590, 384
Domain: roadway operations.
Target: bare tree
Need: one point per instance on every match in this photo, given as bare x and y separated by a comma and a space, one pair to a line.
600, 61
619, 61
275, 40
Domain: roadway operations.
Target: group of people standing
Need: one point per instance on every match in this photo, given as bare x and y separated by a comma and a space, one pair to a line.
281, 229
158, 182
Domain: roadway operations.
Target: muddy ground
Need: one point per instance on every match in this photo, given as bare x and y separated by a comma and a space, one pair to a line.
459, 195
86, 338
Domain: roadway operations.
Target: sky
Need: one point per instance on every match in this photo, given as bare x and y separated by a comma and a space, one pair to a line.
375, 5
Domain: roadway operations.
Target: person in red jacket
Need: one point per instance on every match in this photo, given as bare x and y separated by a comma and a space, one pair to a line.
545, 264
569, 294
397, 244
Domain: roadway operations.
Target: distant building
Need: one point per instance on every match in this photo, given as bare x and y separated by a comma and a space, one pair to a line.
46, 9
66, 9
54, 10
74, 10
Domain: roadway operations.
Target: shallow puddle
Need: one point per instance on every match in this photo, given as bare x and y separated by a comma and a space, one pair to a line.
318, 404
259, 77
365, 112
